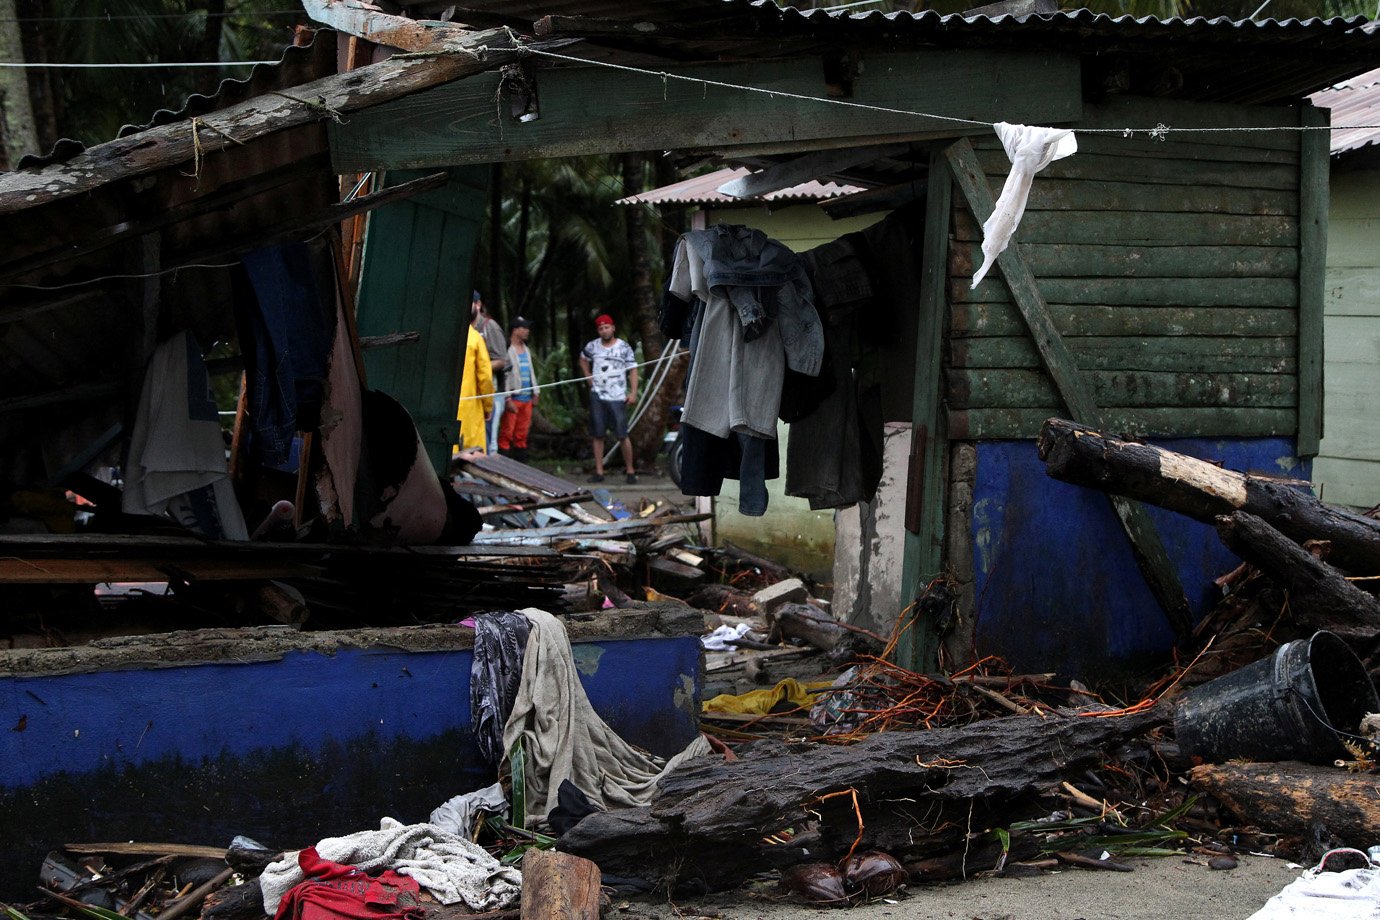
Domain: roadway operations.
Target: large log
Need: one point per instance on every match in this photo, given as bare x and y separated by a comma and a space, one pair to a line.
1319, 596
1086, 457
918, 793
1290, 798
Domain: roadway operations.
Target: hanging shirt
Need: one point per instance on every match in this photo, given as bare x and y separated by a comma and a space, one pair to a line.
610, 364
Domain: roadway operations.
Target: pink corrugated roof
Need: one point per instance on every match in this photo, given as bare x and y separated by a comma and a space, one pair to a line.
1353, 102
704, 190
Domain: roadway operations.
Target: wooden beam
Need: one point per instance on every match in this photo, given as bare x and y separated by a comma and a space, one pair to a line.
1154, 563
593, 27
320, 100
803, 169
364, 20
602, 110
926, 495
79, 393
1314, 167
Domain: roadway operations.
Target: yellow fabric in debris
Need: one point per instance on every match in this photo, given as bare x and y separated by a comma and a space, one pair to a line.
760, 702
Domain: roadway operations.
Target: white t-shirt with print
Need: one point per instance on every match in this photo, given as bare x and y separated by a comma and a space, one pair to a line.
610, 364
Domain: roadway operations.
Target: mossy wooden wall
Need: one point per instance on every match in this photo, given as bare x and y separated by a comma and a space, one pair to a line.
1171, 267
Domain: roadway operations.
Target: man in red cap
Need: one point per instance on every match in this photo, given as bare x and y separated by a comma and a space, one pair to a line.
611, 367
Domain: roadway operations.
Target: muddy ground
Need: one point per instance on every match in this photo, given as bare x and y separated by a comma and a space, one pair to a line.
1173, 888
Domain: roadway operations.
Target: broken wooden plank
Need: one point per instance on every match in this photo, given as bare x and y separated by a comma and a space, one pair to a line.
132, 848
183, 142
49, 571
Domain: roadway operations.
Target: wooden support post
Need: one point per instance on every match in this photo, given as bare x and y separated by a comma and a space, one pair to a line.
1314, 166
925, 501
1150, 554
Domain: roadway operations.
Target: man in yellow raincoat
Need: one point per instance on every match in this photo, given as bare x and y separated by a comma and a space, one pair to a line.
478, 381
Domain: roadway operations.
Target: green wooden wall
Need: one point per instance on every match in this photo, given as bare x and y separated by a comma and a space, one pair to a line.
1172, 268
416, 277
1347, 469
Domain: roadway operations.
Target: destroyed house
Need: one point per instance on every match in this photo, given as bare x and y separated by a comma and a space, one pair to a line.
1163, 283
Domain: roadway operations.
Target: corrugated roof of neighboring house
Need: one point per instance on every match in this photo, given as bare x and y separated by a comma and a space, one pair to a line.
705, 190
1353, 102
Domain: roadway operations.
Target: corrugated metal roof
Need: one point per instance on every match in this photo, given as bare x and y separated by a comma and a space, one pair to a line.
1355, 102
1220, 59
704, 190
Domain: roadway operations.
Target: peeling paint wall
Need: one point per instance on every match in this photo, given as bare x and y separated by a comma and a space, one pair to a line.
869, 547
1056, 585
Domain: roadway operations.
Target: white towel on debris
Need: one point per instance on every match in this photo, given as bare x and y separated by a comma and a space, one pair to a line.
451, 868
564, 738
1352, 894
1030, 150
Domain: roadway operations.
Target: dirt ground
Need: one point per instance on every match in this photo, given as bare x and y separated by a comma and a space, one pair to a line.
1159, 889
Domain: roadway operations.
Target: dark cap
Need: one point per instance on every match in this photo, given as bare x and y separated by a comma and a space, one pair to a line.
475, 297
520, 321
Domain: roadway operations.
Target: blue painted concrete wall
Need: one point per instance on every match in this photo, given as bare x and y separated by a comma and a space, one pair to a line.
1057, 587
285, 751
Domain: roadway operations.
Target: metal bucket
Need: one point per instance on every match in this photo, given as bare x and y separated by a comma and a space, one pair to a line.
1289, 706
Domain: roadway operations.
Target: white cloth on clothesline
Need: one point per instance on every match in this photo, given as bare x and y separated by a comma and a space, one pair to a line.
1030, 150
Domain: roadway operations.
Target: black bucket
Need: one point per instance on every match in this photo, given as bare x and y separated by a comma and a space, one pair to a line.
1289, 706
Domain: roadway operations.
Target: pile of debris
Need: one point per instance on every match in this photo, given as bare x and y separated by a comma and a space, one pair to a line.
846, 775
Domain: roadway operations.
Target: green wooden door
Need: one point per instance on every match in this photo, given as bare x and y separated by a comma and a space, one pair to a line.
416, 277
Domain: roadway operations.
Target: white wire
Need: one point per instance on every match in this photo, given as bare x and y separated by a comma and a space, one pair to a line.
560, 383
48, 65
1158, 131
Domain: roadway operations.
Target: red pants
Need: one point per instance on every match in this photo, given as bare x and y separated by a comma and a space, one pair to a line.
517, 421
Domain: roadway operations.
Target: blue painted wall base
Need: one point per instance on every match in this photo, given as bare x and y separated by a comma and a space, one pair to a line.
1057, 587
286, 751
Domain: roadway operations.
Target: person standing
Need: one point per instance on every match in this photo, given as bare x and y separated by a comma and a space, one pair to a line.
520, 382
611, 367
492, 333
476, 393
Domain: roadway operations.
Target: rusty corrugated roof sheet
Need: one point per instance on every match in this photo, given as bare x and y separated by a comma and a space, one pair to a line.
1354, 102
705, 190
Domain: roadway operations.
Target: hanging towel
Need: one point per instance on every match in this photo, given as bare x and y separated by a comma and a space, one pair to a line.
177, 465
1030, 150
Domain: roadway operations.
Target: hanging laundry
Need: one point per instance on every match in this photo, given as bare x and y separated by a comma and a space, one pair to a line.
177, 465
750, 316
495, 674
1030, 150
564, 738
285, 334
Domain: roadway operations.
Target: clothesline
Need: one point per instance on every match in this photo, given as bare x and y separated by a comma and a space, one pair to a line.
1159, 131
561, 383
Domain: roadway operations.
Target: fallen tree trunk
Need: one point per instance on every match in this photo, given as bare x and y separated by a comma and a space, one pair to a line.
1319, 596
918, 793
1084, 456
558, 886
1291, 798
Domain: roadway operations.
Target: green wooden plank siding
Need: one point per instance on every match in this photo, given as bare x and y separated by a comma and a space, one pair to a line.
415, 277
1172, 268
1347, 468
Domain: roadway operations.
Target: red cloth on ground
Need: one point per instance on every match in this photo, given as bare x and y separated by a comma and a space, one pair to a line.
333, 891
516, 422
